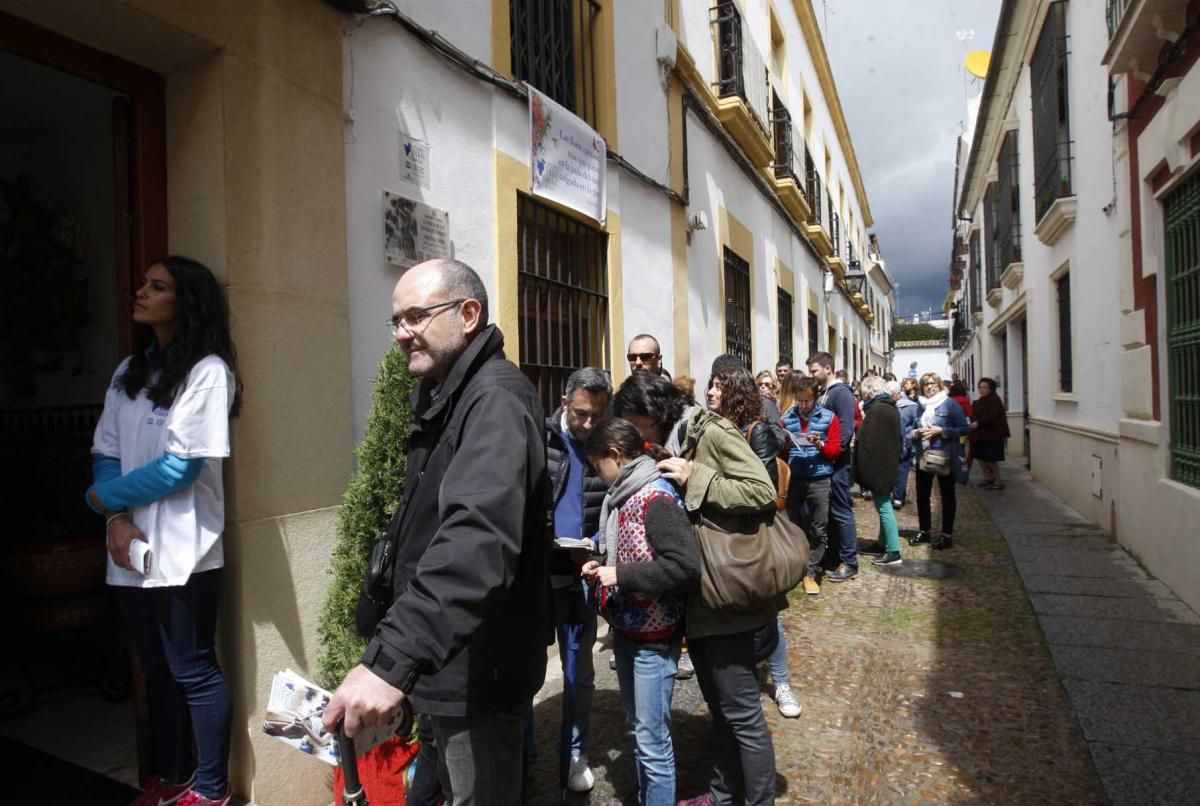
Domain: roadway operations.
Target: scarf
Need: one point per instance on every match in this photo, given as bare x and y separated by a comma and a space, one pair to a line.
929, 414
633, 476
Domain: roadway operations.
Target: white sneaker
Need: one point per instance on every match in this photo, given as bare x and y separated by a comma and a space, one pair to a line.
684, 669
789, 706
579, 776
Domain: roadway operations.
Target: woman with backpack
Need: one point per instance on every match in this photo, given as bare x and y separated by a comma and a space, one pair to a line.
641, 589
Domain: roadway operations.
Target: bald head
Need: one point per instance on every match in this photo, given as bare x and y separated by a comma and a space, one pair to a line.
438, 307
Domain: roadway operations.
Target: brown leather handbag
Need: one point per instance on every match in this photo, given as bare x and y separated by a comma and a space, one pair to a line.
747, 561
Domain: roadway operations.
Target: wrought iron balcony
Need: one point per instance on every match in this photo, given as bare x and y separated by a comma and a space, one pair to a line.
1115, 12
835, 229
816, 194
742, 71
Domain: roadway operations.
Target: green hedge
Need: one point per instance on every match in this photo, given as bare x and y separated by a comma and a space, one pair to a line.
368, 505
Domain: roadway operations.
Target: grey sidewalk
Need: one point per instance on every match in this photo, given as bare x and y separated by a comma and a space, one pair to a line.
1126, 648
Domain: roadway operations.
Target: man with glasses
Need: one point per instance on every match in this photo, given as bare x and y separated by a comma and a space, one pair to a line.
466, 634
645, 355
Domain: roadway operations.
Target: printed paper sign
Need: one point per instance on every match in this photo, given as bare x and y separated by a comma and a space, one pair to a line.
413, 232
414, 160
566, 158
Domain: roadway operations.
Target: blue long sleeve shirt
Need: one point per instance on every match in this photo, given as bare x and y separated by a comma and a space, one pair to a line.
150, 482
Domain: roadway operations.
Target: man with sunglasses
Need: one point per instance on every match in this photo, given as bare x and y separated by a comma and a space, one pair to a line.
645, 355
466, 634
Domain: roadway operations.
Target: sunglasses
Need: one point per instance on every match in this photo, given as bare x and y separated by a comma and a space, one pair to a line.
645, 358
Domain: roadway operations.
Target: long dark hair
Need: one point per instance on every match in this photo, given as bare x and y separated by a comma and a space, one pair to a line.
201, 329
741, 403
614, 432
653, 396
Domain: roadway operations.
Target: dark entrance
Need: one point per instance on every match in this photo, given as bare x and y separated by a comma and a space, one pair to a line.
82, 211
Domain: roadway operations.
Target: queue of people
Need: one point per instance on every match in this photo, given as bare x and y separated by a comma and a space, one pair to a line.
478, 586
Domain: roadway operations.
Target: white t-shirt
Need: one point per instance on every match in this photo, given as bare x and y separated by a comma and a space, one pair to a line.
184, 528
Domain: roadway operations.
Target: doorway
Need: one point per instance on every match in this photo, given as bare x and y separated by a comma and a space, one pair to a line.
82, 175
1025, 391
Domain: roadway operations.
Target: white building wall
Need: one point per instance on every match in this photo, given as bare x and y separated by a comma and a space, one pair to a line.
465, 121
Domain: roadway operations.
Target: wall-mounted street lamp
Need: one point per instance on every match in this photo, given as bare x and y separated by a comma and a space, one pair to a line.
696, 222
855, 277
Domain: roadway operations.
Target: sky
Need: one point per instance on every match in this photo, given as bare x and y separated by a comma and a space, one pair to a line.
898, 69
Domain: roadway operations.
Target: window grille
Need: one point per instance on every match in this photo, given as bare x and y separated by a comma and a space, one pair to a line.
1181, 211
785, 326
993, 241
813, 333
781, 132
741, 70
1052, 143
551, 43
976, 272
1065, 369
845, 354
835, 230
737, 307
816, 194
562, 297
1008, 203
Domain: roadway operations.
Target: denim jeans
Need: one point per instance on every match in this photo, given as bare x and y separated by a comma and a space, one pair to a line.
575, 622
480, 761
889, 533
842, 534
743, 755
777, 663
646, 673
901, 492
172, 629
808, 508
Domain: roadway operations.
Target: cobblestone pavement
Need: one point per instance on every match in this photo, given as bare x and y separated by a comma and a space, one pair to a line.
914, 691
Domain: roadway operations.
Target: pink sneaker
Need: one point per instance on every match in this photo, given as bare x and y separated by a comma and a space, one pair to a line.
194, 798
699, 800
161, 793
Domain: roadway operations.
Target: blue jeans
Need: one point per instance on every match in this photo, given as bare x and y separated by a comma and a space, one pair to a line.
575, 622
842, 533
172, 630
900, 493
646, 673
777, 662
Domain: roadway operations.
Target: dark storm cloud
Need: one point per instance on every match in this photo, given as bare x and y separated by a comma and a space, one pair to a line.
898, 68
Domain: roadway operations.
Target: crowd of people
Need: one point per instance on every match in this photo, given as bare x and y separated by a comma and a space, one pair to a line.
517, 531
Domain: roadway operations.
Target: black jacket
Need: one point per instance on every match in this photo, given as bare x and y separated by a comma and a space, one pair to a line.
468, 630
594, 491
766, 442
877, 449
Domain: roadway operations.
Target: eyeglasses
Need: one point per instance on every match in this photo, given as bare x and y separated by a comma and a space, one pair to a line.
645, 358
415, 320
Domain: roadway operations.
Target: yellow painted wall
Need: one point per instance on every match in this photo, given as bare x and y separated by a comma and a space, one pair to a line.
256, 190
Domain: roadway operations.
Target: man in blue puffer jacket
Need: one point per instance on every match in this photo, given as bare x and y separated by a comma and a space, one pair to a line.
814, 444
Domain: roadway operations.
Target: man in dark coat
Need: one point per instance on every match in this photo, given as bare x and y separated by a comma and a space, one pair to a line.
576, 494
465, 638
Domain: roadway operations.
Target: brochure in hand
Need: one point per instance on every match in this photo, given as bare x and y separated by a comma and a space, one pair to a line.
574, 543
294, 714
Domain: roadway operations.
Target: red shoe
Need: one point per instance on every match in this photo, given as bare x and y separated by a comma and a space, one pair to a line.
161, 793
194, 798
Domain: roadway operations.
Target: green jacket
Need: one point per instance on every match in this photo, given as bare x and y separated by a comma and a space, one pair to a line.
727, 479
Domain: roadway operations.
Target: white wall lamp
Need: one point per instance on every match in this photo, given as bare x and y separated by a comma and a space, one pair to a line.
696, 222
828, 284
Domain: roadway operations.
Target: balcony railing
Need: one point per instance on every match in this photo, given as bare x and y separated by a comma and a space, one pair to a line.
1115, 12
835, 231
742, 72
816, 195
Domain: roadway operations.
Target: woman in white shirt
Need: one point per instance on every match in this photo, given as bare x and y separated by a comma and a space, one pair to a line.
157, 457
